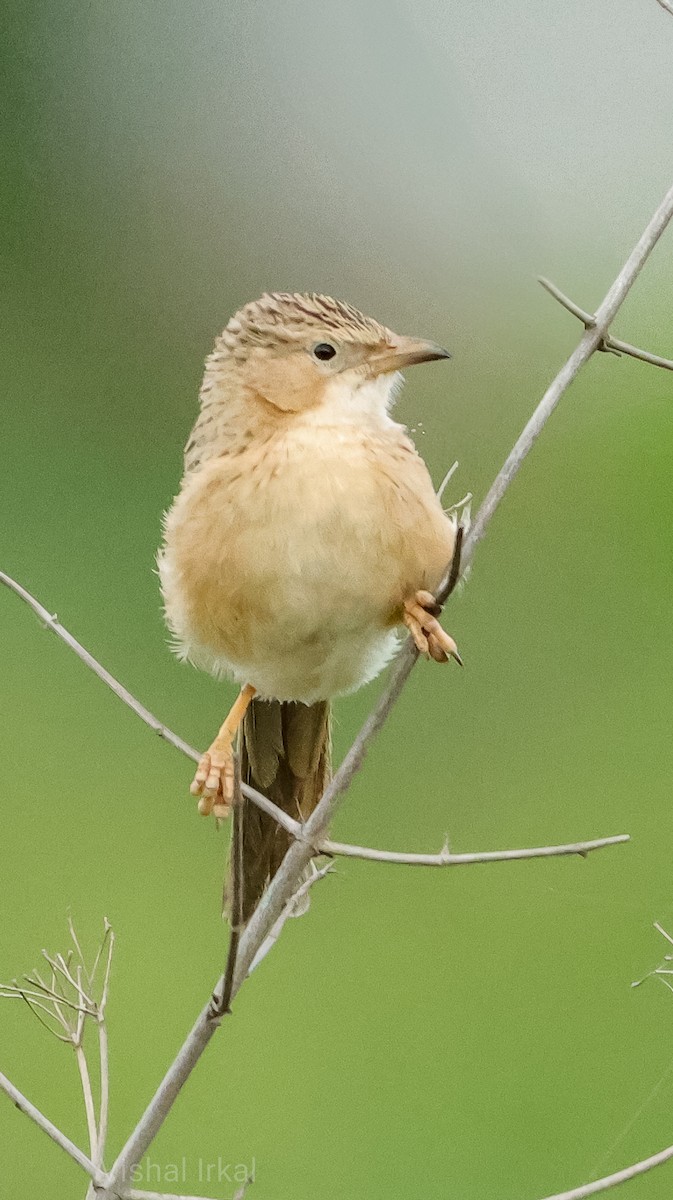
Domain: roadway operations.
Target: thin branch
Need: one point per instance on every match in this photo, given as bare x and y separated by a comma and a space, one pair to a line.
54, 995
16, 991
667, 5
660, 969
660, 929
49, 1128
104, 1106
610, 344
295, 828
444, 484
135, 1194
103, 1049
610, 1181
587, 319
109, 933
446, 859
59, 966
289, 910
89, 1108
33, 1006
103, 1114
51, 621
587, 346
81, 1016
30, 999
78, 948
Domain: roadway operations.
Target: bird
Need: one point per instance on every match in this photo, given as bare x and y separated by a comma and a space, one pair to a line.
305, 536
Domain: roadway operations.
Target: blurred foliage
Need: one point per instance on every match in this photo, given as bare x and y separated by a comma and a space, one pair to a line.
466, 1033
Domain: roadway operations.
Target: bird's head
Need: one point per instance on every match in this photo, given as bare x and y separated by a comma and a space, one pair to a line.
298, 353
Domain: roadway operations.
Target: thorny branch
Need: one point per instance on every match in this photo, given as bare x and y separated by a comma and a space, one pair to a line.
265, 921
609, 344
296, 828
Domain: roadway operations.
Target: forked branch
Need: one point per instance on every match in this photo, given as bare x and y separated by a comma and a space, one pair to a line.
611, 345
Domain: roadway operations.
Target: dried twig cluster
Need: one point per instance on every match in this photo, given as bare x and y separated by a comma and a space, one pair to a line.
66, 997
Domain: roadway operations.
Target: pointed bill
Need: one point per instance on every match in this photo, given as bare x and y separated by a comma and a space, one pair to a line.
405, 352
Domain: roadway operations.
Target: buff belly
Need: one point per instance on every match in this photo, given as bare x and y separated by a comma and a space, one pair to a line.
293, 584
302, 642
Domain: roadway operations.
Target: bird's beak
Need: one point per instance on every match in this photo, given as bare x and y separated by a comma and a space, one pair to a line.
404, 352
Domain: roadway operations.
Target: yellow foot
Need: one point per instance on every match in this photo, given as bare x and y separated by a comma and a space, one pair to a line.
214, 779
420, 618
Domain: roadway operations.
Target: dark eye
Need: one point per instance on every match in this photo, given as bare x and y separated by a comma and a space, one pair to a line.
324, 351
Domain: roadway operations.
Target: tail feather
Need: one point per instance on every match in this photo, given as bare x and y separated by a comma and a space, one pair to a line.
285, 753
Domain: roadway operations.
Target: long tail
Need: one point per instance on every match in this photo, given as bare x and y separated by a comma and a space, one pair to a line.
285, 754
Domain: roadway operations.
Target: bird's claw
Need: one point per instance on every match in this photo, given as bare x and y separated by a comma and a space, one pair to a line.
420, 617
213, 782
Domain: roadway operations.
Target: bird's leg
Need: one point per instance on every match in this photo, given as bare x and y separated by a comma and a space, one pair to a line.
420, 617
214, 779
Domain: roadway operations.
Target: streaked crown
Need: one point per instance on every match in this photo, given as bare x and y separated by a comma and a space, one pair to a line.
287, 317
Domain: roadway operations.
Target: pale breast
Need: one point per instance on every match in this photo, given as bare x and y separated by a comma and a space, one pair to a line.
287, 565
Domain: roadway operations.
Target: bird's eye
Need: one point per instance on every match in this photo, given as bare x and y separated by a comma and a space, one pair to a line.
324, 351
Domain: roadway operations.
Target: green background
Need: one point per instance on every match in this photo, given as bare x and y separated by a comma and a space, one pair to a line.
469, 1033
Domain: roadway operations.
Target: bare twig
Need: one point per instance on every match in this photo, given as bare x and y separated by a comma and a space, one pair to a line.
89, 1107
69, 1003
449, 475
49, 1128
610, 1181
295, 828
56, 997
664, 967
135, 1194
660, 929
51, 621
610, 344
104, 1062
667, 5
289, 910
446, 859
587, 346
